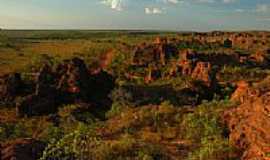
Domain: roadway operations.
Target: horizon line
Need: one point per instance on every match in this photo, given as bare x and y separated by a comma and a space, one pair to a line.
134, 30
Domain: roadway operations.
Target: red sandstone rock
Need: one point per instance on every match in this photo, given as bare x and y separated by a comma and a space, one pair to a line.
106, 59
260, 57
71, 82
242, 92
22, 149
188, 54
10, 87
202, 72
158, 52
249, 123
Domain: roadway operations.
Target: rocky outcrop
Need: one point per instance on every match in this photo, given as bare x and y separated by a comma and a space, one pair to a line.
249, 123
249, 126
202, 72
227, 43
71, 82
10, 87
22, 149
44, 98
106, 59
242, 92
158, 52
260, 57
152, 74
75, 79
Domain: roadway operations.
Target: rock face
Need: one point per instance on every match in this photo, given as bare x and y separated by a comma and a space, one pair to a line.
190, 64
106, 59
202, 72
242, 92
158, 52
187, 62
152, 74
249, 123
227, 43
10, 87
260, 57
70, 82
43, 100
75, 79
102, 84
22, 149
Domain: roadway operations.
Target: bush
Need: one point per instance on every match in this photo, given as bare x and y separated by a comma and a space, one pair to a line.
204, 128
84, 146
122, 99
216, 148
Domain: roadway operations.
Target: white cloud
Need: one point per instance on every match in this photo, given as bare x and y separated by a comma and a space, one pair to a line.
262, 8
119, 5
229, 1
114, 4
172, 1
154, 10
205, 1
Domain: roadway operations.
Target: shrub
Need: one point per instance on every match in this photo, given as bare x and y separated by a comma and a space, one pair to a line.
82, 145
115, 110
216, 148
204, 128
122, 97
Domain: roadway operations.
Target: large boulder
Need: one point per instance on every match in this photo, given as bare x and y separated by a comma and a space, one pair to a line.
10, 87
35, 105
75, 79
242, 92
44, 98
260, 57
83, 84
102, 83
203, 72
22, 149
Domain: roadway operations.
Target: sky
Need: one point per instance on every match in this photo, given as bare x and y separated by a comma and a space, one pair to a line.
177, 15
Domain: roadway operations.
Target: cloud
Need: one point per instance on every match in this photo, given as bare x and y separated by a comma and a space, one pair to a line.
172, 1
229, 1
119, 5
205, 1
262, 8
114, 4
154, 10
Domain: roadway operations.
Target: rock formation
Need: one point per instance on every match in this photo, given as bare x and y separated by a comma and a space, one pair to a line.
70, 83
10, 87
203, 72
158, 52
227, 43
242, 92
260, 57
22, 149
249, 123
249, 126
152, 74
